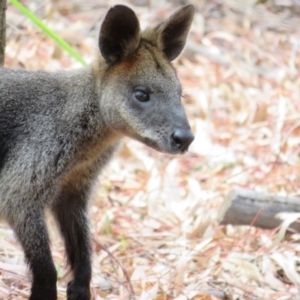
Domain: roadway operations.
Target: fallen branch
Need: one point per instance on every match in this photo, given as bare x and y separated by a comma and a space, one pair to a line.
247, 207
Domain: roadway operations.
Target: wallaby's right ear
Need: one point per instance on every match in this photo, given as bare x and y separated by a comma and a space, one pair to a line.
173, 32
119, 34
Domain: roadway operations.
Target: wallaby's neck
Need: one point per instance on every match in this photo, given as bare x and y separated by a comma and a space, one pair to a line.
84, 90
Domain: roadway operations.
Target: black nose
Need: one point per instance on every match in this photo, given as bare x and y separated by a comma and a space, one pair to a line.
182, 138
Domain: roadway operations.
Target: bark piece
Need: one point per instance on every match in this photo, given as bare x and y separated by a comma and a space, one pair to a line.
247, 207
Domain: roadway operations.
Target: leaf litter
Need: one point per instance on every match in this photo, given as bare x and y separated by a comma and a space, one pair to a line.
153, 216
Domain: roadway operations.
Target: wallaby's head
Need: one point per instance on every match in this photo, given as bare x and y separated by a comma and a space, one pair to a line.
140, 92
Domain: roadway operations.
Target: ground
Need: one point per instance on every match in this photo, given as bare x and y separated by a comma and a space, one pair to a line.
153, 217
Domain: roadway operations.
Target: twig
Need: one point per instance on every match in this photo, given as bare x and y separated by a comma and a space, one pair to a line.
131, 291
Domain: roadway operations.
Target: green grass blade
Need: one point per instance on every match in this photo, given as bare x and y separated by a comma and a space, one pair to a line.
107, 224
62, 43
123, 242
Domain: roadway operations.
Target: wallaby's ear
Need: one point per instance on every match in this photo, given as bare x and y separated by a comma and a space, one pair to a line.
119, 33
174, 31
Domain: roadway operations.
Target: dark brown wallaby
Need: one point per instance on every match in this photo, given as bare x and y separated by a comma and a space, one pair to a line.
58, 130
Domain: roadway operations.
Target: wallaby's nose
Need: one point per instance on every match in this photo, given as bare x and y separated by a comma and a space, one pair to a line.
183, 138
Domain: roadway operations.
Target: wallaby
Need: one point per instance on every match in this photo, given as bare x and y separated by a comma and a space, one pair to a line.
58, 130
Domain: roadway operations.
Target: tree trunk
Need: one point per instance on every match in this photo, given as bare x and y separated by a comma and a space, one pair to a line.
2, 30
247, 207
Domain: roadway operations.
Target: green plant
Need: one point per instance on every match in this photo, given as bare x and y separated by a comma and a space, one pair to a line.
50, 33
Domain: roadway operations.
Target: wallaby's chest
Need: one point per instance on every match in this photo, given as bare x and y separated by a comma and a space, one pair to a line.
86, 165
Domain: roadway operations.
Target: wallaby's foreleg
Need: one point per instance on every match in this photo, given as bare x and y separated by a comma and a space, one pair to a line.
70, 211
30, 229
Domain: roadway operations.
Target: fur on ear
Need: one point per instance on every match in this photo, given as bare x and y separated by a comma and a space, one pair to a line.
119, 34
173, 32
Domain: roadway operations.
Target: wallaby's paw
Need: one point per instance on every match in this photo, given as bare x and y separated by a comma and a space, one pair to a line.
40, 292
78, 292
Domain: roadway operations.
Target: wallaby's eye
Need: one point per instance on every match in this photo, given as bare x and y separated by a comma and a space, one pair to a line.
141, 96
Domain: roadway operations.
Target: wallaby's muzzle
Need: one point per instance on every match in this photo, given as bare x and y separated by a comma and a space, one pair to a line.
182, 139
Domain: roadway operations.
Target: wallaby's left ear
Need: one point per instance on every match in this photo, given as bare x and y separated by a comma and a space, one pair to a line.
119, 34
174, 31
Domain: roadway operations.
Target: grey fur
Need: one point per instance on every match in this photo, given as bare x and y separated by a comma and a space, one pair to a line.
58, 130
